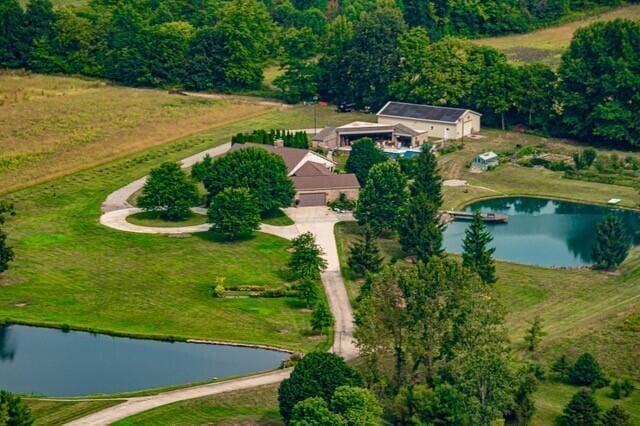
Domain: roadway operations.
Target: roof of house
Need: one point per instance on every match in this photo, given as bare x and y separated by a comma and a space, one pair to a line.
422, 112
363, 126
323, 134
306, 183
291, 156
486, 156
311, 168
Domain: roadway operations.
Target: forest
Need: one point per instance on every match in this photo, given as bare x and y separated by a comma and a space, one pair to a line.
360, 51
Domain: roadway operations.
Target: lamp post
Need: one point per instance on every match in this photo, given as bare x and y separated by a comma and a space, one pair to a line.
315, 115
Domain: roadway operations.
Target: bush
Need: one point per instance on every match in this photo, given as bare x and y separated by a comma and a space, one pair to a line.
586, 372
582, 410
342, 203
622, 389
13, 411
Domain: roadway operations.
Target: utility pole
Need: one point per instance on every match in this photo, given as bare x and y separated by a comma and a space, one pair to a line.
315, 115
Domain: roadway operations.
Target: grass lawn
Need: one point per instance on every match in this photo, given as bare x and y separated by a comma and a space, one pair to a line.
52, 413
257, 406
154, 219
547, 45
276, 218
71, 270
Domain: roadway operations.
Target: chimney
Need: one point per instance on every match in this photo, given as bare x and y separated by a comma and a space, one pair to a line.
278, 143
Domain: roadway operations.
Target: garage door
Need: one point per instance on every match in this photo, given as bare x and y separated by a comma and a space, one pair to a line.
318, 199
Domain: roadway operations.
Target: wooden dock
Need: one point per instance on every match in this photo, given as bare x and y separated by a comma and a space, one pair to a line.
451, 215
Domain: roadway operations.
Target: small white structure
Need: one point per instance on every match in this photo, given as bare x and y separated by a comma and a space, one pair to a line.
614, 201
485, 161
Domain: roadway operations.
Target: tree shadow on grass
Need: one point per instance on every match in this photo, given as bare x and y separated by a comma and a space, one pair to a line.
216, 237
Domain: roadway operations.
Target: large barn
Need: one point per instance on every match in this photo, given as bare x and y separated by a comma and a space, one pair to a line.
438, 122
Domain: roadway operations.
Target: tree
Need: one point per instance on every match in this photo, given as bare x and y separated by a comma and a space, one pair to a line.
476, 255
612, 243
364, 255
422, 405
300, 78
263, 173
616, 416
39, 20
426, 177
321, 318
538, 85
586, 372
382, 198
523, 406
356, 405
13, 40
561, 367
6, 252
582, 410
534, 334
234, 213
169, 191
308, 290
14, 410
420, 229
316, 374
306, 260
314, 411
363, 156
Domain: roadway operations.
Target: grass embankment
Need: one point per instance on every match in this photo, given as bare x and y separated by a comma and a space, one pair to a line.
71, 270
53, 413
252, 406
154, 219
547, 45
54, 126
276, 218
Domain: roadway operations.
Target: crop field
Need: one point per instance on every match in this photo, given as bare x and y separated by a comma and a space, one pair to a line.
548, 44
53, 126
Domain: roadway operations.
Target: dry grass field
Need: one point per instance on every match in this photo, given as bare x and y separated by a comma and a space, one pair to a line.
54, 126
546, 45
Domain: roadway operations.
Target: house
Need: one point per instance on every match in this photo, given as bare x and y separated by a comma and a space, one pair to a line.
485, 161
385, 135
313, 175
438, 122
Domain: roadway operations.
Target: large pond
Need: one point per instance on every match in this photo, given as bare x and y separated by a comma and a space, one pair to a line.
540, 231
56, 363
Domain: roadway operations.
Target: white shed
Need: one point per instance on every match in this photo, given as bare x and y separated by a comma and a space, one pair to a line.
485, 161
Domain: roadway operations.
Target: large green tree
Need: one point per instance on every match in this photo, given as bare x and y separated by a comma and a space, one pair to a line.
382, 198
234, 213
599, 82
13, 411
363, 156
314, 411
476, 253
13, 40
420, 229
169, 191
612, 243
299, 82
426, 177
364, 255
263, 173
306, 260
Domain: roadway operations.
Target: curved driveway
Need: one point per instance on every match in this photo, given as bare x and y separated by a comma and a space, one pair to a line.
317, 220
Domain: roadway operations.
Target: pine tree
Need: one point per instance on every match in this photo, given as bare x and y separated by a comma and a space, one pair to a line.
476, 255
308, 290
582, 410
612, 244
364, 255
420, 229
534, 334
321, 318
586, 372
561, 367
616, 416
426, 178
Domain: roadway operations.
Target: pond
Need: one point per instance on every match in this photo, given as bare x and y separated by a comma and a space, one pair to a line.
56, 363
541, 231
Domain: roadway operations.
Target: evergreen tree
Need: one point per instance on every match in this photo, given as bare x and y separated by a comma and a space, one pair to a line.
234, 213
534, 334
420, 229
612, 244
523, 406
582, 410
561, 367
426, 178
321, 318
364, 255
586, 372
476, 255
616, 416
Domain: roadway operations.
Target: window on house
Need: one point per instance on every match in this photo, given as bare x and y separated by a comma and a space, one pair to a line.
431, 127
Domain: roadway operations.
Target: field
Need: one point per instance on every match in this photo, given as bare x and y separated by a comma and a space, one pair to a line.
69, 270
52, 413
547, 45
53, 126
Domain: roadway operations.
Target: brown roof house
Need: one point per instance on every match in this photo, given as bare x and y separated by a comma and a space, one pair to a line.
312, 174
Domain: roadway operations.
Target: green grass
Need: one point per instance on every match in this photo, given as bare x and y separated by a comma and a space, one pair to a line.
252, 406
154, 219
548, 44
71, 270
277, 218
51, 413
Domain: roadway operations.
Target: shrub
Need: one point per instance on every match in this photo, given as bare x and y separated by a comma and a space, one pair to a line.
582, 410
622, 388
342, 203
616, 416
586, 372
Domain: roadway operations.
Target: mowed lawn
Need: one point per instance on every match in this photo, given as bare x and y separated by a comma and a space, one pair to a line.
548, 44
54, 126
54, 413
71, 270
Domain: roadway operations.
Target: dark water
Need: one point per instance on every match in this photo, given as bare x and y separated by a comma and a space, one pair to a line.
56, 363
541, 231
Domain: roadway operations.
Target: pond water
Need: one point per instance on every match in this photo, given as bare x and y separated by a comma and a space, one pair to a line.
541, 231
55, 363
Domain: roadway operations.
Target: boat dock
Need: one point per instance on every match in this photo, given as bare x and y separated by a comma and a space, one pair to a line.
451, 215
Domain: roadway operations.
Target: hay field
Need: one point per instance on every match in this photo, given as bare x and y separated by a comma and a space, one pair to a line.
548, 44
54, 126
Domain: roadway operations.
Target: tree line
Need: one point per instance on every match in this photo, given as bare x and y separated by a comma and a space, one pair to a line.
365, 52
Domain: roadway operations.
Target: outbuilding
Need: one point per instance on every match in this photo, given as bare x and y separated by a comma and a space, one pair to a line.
438, 122
485, 161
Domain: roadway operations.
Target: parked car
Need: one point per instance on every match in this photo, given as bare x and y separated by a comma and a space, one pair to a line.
346, 107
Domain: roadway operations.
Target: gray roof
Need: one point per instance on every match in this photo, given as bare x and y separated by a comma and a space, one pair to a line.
422, 112
323, 134
312, 169
306, 183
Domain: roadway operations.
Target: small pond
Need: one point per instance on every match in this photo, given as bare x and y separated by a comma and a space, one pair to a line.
55, 363
541, 231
